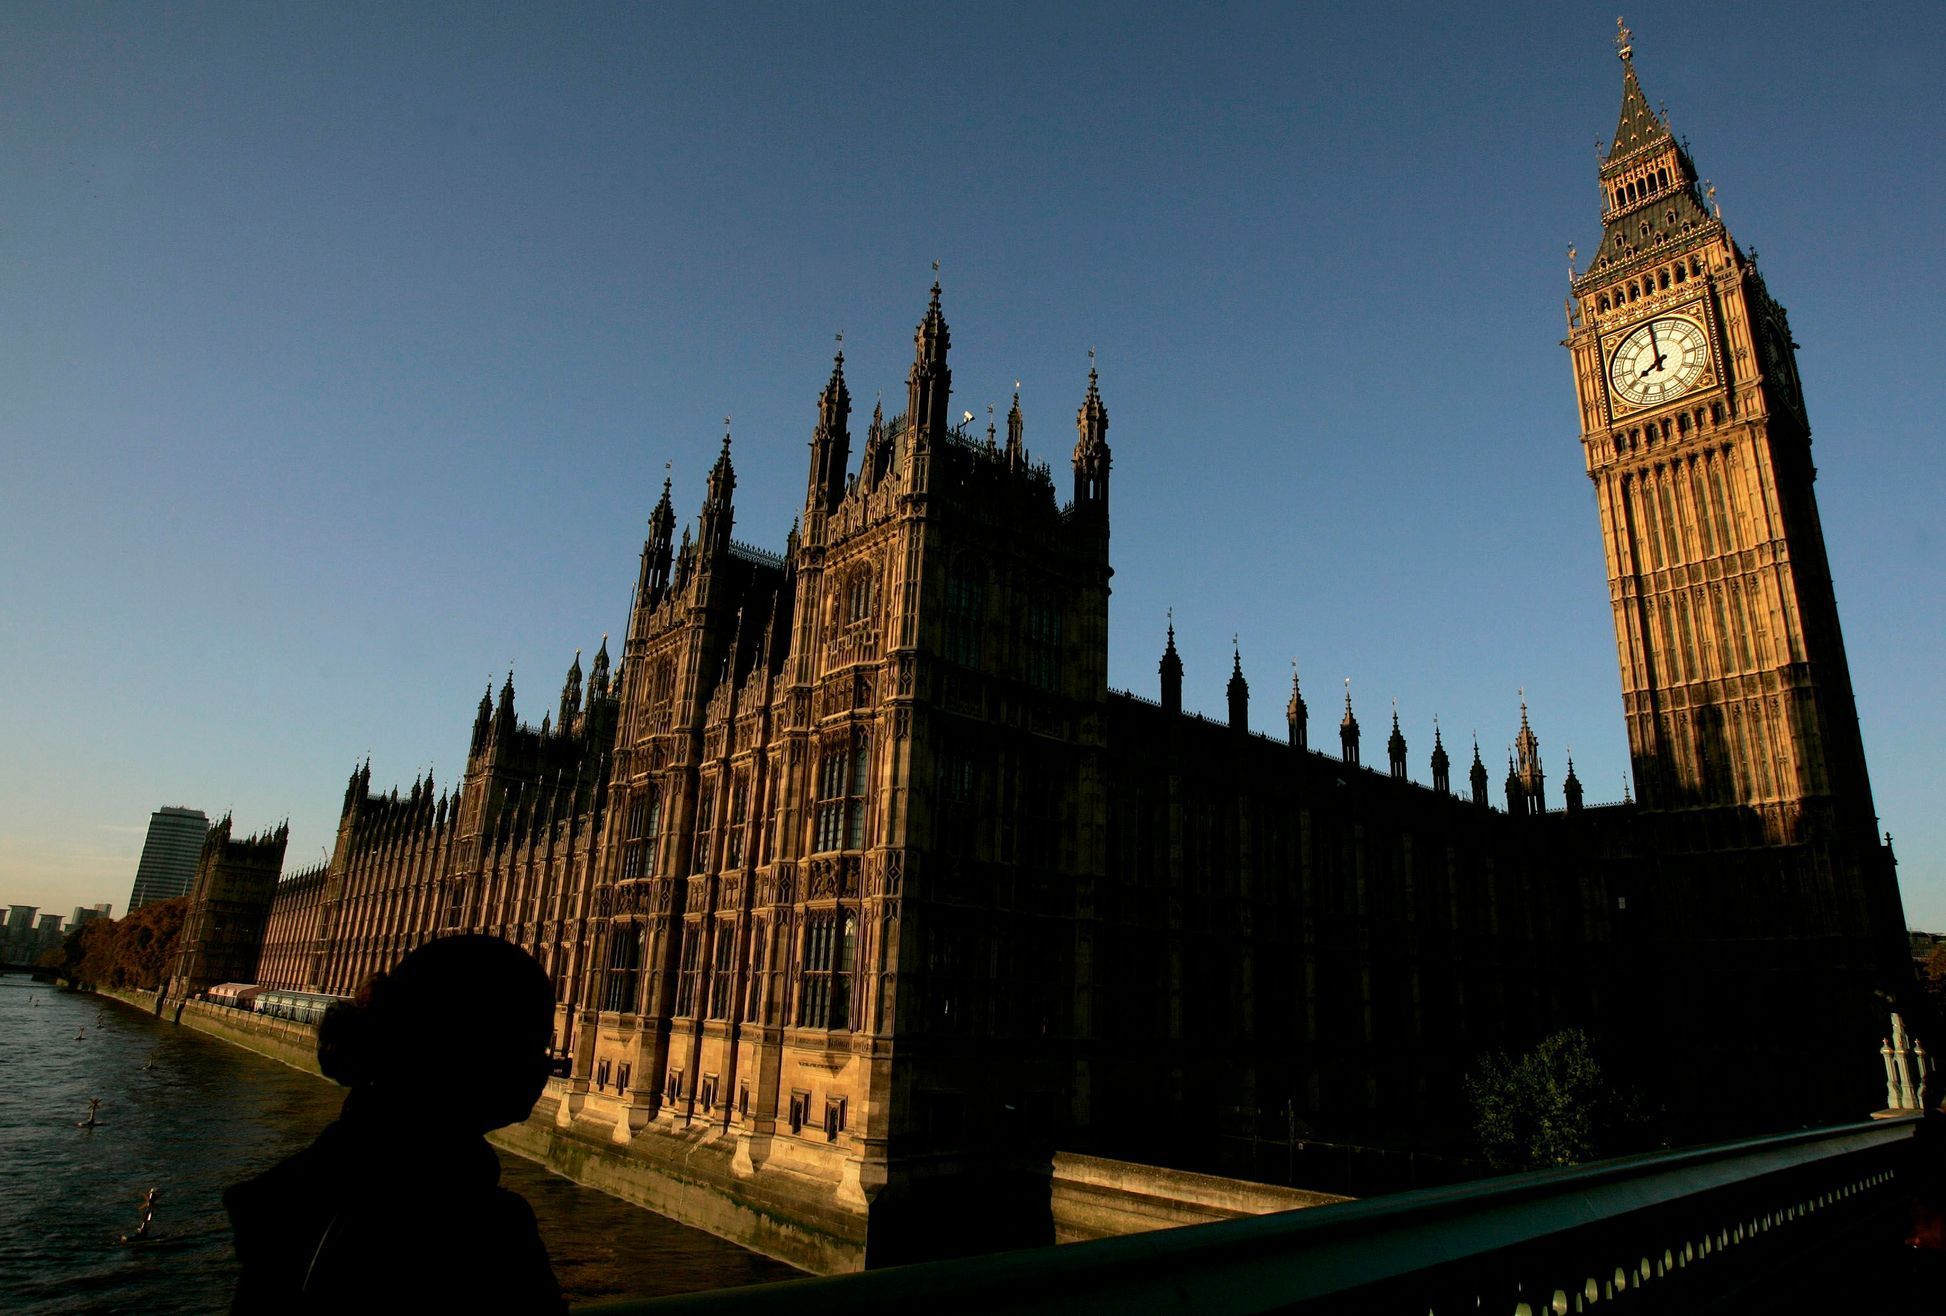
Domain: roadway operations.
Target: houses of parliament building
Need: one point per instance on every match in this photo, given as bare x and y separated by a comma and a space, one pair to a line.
862, 891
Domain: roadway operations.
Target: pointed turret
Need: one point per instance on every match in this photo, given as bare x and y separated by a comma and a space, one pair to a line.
1648, 183
1091, 456
1239, 691
1477, 776
713, 527
656, 550
571, 694
482, 721
1296, 714
1348, 730
1571, 786
503, 715
1527, 751
598, 675
1395, 746
685, 563
1171, 669
1441, 763
1016, 448
830, 443
929, 386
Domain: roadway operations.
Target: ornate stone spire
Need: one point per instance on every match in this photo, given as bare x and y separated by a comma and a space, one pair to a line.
1441, 763
1297, 714
1348, 729
1395, 746
930, 384
1239, 690
1091, 456
830, 440
1171, 669
571, 693
1016, 449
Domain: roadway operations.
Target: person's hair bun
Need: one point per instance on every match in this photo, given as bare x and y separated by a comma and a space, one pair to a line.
350, 1042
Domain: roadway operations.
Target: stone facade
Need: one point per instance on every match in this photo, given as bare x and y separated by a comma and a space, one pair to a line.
863, 892
229, 905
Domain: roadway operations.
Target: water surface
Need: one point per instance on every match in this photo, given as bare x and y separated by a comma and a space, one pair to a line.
191, 1115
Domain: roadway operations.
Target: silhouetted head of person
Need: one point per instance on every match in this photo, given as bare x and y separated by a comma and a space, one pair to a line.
470, 1014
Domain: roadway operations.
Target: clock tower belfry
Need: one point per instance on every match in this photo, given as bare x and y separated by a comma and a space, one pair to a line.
1734, 682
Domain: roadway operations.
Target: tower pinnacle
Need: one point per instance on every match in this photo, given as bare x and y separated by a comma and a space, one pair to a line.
1171, 669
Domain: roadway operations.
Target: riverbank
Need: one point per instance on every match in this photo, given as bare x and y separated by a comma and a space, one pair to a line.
193, 1112
697, 1183
765, 1217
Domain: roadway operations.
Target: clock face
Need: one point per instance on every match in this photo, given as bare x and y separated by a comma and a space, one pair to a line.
1659, 360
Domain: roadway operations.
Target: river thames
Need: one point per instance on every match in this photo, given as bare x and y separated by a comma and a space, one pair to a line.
190, 1115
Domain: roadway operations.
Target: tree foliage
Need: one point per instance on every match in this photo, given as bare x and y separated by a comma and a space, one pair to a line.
1552, 1106
137, 950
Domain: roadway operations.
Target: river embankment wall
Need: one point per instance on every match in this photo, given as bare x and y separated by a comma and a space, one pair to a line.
698, 1181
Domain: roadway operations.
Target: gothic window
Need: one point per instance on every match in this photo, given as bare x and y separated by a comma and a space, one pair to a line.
1722, 521
824, 991
842, 774
733, 841
958, 810
699, 861
706, 1093
965, 604
722, 982
800, 1106
1040, 805
1680, 274
860, 593
1043, 645
692, 957
638, 845
624, 967
834, 1118
753, 983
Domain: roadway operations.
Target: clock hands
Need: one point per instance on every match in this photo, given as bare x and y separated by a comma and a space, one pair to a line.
1655, 347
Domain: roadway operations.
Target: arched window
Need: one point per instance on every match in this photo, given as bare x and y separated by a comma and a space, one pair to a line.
638, 841
824, 986
843, 774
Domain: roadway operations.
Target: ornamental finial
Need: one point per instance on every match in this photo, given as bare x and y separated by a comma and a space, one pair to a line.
1624, 50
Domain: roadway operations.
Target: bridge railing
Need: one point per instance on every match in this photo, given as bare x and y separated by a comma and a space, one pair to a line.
1672, 1231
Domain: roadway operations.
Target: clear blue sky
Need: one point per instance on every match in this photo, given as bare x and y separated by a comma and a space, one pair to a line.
343, 347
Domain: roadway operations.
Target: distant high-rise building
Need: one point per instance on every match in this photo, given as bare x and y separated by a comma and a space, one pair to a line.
19, 941
169, 856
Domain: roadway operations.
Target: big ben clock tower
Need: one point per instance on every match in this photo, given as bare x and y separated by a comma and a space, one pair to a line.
1741, 722
1695, 434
